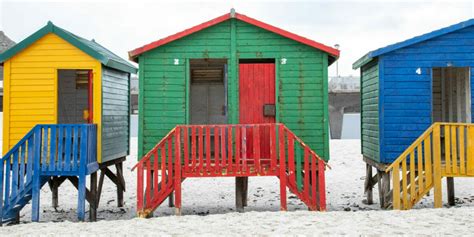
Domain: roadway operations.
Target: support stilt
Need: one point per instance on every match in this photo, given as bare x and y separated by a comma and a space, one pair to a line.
120, 188
171, 200
117, 178
450, 190
93, 192
239, 202
245, 190
381, 178
384, 191
368, 185
53, 183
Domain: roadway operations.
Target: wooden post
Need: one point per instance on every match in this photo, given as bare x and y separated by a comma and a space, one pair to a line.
81, 200
177, 172
380, 174
450, 190
93, 203
282, 168
36, 190
368, 184
385, 190
245, 184
437, 168
120, 188
239, 202
171, 200
53, 185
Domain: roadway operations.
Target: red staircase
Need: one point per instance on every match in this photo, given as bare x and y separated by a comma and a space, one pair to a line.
238, 150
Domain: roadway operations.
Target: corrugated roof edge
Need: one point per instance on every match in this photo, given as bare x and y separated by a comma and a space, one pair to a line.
375, 53
72, 39
333, 53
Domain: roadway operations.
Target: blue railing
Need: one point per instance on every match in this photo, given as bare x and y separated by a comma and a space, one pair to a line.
46, 150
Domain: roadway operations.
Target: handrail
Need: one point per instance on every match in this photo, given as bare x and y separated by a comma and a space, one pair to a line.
230, 150
47, 149
19, 143
407, 151
443, 150
149, 153
306, 146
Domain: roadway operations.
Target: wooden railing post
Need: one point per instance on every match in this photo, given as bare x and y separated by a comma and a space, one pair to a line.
322, 186
396, 186
283, 178
36, 176
437, 167
177, 172
140, 189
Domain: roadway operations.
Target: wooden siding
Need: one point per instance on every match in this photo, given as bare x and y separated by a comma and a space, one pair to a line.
30, 86
302, 100
115, 114
407, 95
163, 84
369, 89
301, 82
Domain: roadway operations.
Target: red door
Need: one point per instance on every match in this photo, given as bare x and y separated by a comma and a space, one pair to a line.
256, 91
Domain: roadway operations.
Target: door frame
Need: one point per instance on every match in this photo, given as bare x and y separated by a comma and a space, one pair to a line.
90, 91
275, 62
187, 78
468, 96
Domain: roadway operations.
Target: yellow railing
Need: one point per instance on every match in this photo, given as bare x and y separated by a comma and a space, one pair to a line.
443, 150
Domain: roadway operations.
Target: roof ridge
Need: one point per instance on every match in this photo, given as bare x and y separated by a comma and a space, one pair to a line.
89, 47
334, 53
410, 41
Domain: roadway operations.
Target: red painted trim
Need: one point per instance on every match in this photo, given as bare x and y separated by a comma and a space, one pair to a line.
134, 53
334, 52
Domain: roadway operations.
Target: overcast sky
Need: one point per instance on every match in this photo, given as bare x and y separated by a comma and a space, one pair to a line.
357, 26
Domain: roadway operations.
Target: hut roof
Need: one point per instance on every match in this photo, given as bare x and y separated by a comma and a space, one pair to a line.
375, 53
333, 53
90, 47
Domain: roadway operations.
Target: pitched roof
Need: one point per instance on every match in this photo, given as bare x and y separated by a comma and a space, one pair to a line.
334, 53
375, 53
90, 47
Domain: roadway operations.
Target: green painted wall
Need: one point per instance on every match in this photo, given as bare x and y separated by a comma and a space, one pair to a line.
301, 82
369, 90
115, 114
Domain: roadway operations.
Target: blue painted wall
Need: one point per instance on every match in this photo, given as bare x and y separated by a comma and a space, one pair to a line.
405, 96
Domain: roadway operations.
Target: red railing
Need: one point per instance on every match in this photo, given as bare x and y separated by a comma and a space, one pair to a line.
237, 150
304, 171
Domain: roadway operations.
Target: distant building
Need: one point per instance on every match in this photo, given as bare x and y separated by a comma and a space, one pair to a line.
134, 94
5, 43
344, 98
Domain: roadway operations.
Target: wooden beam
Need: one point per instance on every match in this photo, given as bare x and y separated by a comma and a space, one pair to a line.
93, 193
75, 181
368, 186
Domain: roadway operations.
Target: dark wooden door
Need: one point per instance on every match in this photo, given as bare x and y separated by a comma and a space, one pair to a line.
256, 96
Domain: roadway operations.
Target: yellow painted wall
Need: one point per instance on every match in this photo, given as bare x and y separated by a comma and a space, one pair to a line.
30, 86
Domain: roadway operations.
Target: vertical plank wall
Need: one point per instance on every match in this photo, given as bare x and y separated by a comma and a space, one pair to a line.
407, 95
301, 82
163, 84
370, 110
301, 94
115, 114
30, 85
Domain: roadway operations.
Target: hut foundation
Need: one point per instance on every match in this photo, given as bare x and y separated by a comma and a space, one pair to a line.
382, 179
94, 192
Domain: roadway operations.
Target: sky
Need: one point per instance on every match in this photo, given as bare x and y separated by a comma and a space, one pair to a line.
357, 26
